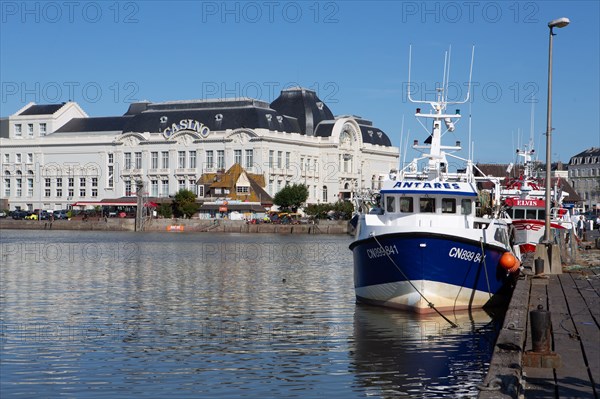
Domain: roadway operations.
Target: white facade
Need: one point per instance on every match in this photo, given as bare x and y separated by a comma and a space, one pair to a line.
56, 169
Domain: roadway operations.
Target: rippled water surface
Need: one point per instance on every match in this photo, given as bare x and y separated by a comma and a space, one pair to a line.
156, 315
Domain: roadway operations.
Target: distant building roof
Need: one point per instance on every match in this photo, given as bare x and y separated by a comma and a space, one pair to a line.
42, 109
590, 152
102, 124
229, 179
4, 128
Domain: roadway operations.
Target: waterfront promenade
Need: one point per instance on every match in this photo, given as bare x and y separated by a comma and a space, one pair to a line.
571, 368
179, 225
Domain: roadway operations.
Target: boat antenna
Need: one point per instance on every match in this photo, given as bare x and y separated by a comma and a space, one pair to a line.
470, 156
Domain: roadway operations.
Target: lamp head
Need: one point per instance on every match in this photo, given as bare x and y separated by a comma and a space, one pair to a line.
559, 23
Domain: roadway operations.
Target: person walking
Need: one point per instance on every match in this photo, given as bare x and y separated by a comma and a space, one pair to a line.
581, 227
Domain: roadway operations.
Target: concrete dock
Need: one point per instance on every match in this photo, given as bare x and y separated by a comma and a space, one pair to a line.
571, 366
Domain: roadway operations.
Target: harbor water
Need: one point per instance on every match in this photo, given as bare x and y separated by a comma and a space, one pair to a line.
156, 315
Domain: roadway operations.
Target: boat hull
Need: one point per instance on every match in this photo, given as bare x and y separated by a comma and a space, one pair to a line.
530, 232
450, 272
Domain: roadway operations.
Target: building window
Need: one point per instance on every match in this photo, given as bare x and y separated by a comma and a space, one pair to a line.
30, 129
279, 154
71, 182
165, 159
19, 182
193, 187
181, 157
42, 129
94, 182
111, 178
237, 156
59, 192
30, 188
287, 160
200, 190
82, 192
242, 189
7, 187
209, 159
127, 188
94, 192
165, 188
271, 154
71, 193
193, 159
59, 182
29, 158
18, 131
324, 193
6, 158
249, 158
46, 192
154, 188
47, 183
82, 182
111, 158
17, 158
138, 160
127, 160
220, 159
154, 160
181, 185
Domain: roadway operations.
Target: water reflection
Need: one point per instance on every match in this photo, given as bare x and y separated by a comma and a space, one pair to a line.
399, 354
92, 314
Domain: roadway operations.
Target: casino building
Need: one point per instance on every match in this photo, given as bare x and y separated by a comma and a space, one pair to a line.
55, 155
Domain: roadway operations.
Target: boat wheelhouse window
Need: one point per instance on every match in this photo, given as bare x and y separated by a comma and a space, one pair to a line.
406, 204
448, 205
466, 206
519, 214
427, 205
531, 214
390, 204
541, 214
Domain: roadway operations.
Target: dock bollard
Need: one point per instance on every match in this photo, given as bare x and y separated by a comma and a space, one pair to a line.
540, 329
539, 266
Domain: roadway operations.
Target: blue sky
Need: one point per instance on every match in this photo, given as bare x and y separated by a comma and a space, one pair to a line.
106, 54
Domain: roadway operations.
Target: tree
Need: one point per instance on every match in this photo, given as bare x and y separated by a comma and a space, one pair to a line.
291, 197
165, 210
185, 203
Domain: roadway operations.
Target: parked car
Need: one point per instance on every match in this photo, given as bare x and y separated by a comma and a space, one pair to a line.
31, 216
19, 215
60, 215
3, 214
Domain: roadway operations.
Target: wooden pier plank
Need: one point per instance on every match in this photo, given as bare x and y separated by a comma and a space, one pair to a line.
585, 321
572, 377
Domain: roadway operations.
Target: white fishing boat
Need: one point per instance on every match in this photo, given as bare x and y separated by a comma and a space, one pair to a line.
423, 247
525, 201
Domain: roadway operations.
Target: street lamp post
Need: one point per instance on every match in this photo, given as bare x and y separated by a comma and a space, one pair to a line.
557, 23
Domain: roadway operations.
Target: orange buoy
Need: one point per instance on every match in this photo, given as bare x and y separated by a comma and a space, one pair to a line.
508, 261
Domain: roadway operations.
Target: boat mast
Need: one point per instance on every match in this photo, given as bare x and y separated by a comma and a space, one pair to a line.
437, 166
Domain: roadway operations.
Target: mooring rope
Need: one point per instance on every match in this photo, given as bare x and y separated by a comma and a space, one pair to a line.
431, 305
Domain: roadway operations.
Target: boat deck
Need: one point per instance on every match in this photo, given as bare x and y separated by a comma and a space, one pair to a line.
572, 367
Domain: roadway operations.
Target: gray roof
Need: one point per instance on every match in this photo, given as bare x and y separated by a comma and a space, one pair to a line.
4, 128
42, 109
590, 152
